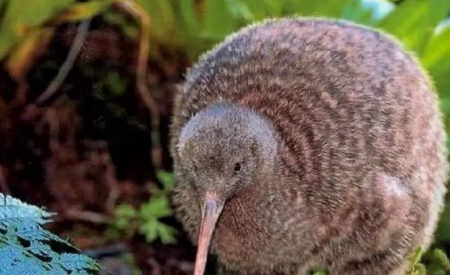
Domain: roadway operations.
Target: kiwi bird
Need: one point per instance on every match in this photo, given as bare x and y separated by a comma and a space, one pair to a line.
308, 142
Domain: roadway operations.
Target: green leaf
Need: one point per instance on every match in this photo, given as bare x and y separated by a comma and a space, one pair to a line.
119, 19
442, 259
255, 10
115, 83
240, 10
318, 272
436, 60
154, 229
190, 19
167, 179
367, 12
124, 215
218, 21
334, 8
414, 265
84, 10
23, 15
157, 207
414, 21
125, 211
149, 230
166, 234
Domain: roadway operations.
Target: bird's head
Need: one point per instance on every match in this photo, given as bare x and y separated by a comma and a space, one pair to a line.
223, 149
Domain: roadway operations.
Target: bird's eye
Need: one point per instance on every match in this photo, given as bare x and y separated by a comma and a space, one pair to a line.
237, 167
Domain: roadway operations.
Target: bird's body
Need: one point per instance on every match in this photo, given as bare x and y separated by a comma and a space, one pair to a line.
337, 145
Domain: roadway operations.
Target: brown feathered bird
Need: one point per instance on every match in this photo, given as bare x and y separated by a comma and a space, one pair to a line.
308, 142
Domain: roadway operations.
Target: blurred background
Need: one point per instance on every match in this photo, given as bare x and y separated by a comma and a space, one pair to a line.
86, 91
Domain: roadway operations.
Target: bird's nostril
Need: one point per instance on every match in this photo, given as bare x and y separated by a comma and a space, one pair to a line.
237, 167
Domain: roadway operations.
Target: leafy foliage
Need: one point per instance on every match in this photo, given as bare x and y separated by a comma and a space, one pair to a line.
415, 266
26, 248
17, 21
437, 264
147, 219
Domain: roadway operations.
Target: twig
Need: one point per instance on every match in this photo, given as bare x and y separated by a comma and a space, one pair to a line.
112, 250
156, 267
3, 185
87, 216
136, 11
111, 182
77, 45
53, 123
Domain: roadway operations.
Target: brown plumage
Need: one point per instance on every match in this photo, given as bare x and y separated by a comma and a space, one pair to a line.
311, 142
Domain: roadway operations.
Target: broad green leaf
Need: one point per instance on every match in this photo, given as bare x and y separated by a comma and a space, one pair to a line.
3, 7
23, 15
367, 12
256, 10
333, 8
218, 20
414, 21
240, 10
442, 235
442, 259
436, 60
190, 22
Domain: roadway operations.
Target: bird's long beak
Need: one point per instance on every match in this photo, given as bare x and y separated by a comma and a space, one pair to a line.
211, 211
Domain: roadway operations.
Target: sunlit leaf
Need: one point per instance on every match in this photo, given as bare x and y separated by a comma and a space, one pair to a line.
367, 12
333, 8
414, 21
436, 59
23, 57
443, 260
190, 26
218, 20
